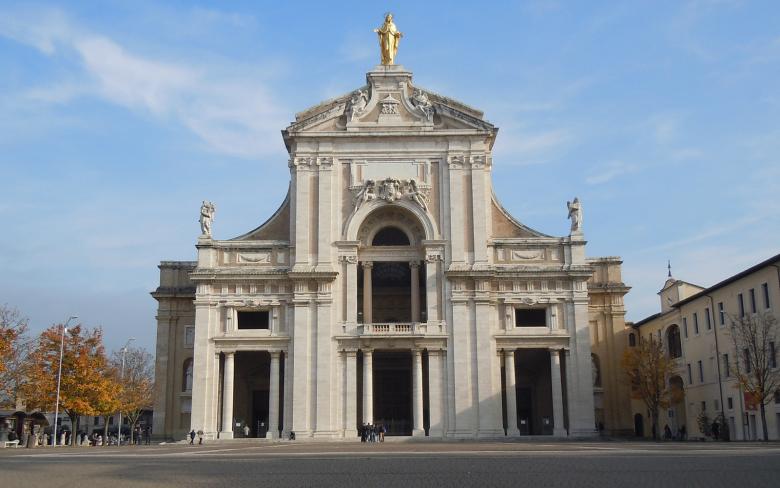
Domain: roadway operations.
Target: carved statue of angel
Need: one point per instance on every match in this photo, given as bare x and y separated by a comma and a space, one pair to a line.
575, 214
422, 103
416, 195
358, 103
207, 210
366, 194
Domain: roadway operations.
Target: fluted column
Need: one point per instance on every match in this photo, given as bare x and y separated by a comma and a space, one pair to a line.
368, 386
273, 397
367, 293
511, 393
417, 393
227, 396
415, 272
557, 395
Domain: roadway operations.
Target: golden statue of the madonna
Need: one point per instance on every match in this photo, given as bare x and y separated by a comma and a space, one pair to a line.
388, 39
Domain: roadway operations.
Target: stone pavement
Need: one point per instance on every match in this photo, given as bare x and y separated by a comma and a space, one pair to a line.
602, 464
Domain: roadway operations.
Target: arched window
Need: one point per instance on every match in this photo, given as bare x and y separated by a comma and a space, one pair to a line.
631, 340
596, 370
390, 236
673, 343
186, 383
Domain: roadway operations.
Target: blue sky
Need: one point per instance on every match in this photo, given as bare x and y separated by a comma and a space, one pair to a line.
118, 118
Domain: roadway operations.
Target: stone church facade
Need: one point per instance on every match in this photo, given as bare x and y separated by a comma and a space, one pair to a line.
390, 288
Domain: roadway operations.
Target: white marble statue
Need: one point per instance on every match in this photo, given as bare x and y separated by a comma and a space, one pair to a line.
390, 190
414, 194
207, 210
366, 194
422, 103
575, 214
357, 103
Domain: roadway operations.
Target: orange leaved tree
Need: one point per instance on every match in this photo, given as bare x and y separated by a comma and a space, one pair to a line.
84, 381
14, 347
137, 383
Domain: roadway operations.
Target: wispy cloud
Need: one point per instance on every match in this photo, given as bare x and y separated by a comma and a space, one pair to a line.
533, 148
238, 118
609, 172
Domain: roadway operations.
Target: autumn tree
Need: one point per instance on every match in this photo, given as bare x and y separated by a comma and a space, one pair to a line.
14, 347
648, 368
755, 362
83, 380
136, 383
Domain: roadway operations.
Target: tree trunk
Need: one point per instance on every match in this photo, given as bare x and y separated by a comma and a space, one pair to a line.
132, 432
763, 422
105, 431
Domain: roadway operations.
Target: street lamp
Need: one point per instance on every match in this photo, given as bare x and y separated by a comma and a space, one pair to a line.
121, 376
59, 377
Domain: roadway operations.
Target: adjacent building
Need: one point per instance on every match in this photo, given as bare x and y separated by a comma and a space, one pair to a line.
694, 326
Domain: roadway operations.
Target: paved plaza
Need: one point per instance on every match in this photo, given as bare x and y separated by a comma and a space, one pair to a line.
406, 464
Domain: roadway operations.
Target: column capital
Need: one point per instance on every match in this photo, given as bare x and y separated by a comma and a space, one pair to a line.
275, 354
554, 351
229, 353
367, 264
367, 351
509, 352
414, 264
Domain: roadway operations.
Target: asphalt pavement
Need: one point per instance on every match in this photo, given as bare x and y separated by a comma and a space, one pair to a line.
402, 464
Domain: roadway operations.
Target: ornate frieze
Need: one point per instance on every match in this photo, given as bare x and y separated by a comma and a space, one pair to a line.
390, 190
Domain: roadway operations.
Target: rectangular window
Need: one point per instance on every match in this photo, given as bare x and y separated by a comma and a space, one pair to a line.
110, 420
253, 320
726, 367
707, 317
730, 401
695, 323
685, 328
701, 372
721, 313
777, 397
189, 336
703, 405
717, 405
741, 304
765, 290
772, 355
748, 365
530, 317
753, 300
96, 421
690, 376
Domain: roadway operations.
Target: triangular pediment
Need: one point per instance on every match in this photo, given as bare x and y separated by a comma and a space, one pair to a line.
389, 102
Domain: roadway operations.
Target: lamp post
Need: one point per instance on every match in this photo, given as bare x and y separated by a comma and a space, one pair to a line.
121, 376
59, 378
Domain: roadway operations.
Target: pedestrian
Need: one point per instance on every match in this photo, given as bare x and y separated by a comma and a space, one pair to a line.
362, 433
246, 430
200, 437
382, 431
715, 430
192, 437
667, 432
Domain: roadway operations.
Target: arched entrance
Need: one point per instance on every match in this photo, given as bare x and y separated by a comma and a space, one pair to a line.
677, 405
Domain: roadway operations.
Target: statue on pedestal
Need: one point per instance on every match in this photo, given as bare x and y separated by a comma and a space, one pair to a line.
388, 40
575, 214
207, 210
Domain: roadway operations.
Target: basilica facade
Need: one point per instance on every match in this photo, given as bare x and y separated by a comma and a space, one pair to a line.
390, 287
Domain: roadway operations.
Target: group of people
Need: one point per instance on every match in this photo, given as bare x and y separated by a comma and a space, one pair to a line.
681, 434
372, 433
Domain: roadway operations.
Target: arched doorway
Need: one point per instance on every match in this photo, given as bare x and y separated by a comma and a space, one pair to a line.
677, 405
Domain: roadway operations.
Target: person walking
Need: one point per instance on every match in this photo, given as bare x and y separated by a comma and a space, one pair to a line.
382, 431
192, 437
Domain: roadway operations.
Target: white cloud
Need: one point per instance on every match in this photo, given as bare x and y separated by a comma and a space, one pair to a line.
532, 148
239, 118
610, 172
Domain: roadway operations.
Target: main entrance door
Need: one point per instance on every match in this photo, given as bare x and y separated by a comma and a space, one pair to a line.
393, 391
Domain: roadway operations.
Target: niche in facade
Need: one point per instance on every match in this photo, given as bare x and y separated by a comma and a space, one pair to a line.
253, 320
530, 317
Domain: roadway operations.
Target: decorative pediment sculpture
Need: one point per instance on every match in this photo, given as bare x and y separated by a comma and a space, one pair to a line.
391, 190
357, 104
207, 210
423, 104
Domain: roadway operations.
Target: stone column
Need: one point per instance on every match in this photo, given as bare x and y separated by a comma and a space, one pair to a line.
273, 397
351, 290
417, 393
349, 368
368, 386
431, 289
436, 428
415, 272
557, 395
511, 393
227, 396
367, 293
